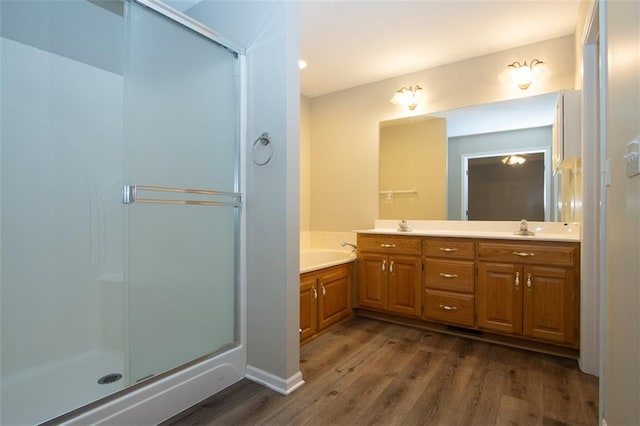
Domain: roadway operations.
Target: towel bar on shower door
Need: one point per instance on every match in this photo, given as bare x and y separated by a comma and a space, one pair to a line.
130, 195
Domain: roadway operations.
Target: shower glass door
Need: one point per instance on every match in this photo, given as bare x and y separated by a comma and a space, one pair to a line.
95, 294
180, 165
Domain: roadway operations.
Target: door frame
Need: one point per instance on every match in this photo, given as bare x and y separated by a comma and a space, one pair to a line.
595, 175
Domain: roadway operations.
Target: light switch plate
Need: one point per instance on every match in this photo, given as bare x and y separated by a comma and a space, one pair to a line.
632, 157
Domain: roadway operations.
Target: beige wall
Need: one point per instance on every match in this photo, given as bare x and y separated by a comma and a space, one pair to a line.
344, 191
413, 155
622, 340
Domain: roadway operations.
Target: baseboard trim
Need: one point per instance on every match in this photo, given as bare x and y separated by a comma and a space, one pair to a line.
278, 384
471, 333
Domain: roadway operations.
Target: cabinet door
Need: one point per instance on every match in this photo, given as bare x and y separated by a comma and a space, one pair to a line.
405, 290
550, 304
499, 297
308, 307
372, 280
334, 296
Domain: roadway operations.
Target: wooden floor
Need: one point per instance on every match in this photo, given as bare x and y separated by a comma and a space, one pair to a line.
368, 372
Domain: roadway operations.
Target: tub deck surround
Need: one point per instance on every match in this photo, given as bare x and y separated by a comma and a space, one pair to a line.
316, 259
326, 282
325, 292
544, 231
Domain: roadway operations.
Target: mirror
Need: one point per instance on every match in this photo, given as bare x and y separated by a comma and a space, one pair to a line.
422, 158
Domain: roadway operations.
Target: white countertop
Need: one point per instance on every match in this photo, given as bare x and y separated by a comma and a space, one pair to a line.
544, 231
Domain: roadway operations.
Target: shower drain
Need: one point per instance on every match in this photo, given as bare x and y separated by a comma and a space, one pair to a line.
109, 378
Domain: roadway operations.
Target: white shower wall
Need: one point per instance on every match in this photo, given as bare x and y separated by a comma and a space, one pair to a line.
61, 256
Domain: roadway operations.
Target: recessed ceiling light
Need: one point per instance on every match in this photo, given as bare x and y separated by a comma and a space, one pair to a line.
302, 64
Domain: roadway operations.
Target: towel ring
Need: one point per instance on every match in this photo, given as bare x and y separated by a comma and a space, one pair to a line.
265, 140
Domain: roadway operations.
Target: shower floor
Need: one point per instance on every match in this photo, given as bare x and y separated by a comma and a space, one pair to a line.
39, 394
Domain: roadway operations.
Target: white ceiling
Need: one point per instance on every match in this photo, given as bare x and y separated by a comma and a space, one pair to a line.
351, 43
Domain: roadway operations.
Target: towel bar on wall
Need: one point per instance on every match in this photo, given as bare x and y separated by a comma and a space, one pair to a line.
399, 191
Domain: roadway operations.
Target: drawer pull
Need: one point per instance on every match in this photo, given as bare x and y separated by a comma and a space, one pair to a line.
517, 279
324, 290
443, 275
384, 265
449, 308
448, 249
315, 294
523, 254
529, 281
387, 245
391, 267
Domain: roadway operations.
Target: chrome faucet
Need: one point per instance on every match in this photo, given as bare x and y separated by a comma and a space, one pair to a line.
403, 226
347, 243
524, 228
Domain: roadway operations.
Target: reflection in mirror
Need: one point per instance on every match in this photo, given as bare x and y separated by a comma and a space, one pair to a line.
506, 187
515, 126
463, 148
413, 157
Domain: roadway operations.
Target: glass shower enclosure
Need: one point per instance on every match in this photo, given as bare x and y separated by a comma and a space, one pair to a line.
119, 201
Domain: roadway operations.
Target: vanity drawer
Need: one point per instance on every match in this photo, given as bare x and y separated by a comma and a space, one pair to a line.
529, 253
389, 244
450, 248
450, 275
451, 308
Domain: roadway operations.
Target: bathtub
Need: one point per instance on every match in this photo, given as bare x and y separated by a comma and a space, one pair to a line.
313, 260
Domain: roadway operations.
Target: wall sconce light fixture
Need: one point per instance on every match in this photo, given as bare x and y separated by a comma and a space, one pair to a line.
406, 97
513, 160
523, 73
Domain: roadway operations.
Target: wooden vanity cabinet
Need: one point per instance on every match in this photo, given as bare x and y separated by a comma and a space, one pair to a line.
308, 306
390, 273
449, 281
519, 292
529, 289
325, 299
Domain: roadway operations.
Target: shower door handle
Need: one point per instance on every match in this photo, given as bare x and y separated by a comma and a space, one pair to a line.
130, 194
